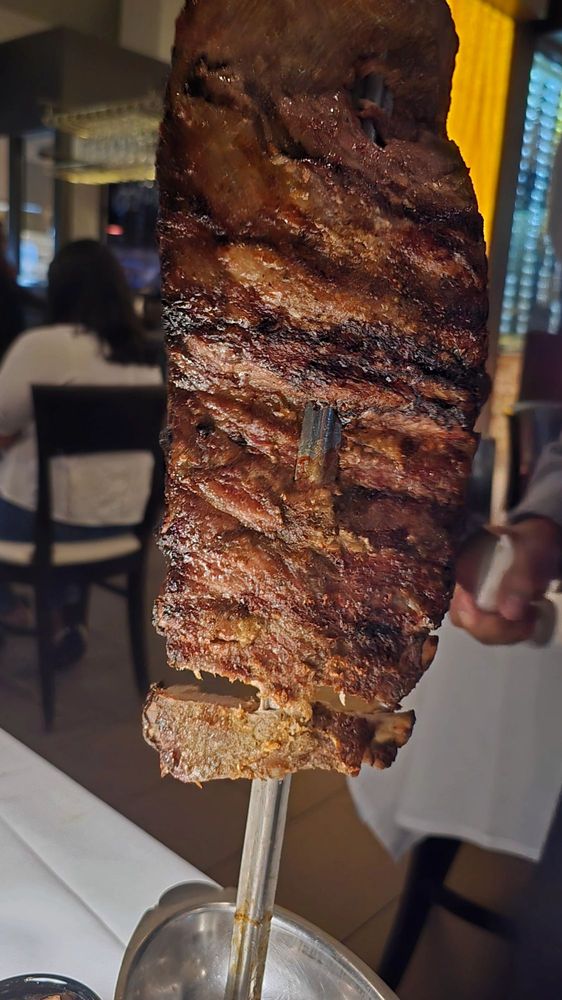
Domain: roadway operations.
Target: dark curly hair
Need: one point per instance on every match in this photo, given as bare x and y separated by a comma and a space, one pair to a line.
87, 286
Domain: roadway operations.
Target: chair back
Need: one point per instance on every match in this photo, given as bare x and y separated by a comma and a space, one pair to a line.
541, 376
85, 420
532, 426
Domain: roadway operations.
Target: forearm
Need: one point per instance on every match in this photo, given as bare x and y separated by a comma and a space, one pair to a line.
536, 536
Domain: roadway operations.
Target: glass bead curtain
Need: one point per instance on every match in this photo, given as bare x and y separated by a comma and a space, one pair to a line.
533, 288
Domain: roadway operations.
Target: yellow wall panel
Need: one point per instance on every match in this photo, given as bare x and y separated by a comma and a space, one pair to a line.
480, 93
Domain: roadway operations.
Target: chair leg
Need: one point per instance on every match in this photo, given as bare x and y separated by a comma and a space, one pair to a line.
429, 867
45, 653
135, 604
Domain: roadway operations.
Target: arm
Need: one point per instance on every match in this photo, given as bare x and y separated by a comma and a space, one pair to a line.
536, 532
17, 374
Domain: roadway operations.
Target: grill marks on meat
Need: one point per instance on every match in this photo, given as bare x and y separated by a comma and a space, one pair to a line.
325, 587
224, 638
291, 364
205, 737
302, 261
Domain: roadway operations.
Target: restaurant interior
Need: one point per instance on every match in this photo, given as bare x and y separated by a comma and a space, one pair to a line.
421, 874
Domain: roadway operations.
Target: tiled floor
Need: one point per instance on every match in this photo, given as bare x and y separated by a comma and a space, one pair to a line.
333, 871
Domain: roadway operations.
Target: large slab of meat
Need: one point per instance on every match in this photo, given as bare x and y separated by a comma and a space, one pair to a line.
319, 243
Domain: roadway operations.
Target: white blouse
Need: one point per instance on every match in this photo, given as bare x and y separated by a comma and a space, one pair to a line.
89, 490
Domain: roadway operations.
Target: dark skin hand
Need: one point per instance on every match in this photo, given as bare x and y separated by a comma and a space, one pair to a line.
537, 542
7, 440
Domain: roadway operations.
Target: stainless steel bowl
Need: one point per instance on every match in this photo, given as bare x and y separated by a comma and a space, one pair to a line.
180, 952
40, 986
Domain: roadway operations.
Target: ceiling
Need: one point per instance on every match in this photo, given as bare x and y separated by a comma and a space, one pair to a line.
13, 25
97, 17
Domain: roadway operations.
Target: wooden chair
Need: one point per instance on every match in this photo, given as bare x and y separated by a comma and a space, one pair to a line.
532, 426
541, 376
83, 420
425, 887
533, 422
479, 492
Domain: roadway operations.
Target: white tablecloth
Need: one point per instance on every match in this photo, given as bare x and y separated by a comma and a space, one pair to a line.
75, 876
485, 760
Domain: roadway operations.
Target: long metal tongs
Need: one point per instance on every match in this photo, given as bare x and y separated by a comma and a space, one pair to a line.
316, 463
265, 826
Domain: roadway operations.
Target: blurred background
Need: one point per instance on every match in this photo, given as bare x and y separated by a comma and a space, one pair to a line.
82, 87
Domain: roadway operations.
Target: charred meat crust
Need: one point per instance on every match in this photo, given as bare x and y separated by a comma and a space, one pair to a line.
303, 261
201, 737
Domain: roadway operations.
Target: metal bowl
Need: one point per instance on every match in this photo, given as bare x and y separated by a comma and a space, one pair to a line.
40, 986
180, 952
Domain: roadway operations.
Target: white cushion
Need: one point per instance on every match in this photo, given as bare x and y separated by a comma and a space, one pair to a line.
70, 553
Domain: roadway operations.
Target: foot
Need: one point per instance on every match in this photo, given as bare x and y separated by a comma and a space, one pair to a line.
17, 618
70, 644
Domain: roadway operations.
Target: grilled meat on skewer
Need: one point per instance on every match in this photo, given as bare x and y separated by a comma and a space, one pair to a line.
320, 241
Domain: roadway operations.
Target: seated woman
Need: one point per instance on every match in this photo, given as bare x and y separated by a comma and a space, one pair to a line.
94, 338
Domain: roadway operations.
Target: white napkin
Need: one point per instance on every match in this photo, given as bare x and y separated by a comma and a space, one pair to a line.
485, 760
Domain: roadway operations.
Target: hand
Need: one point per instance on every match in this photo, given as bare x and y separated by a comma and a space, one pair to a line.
7, 440
537, 544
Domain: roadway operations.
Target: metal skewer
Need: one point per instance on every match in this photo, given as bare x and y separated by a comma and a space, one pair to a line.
257, 886
373, 89
263, 840
267, 813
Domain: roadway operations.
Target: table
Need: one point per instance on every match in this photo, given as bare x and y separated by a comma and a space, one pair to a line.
484, 763
75, 876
